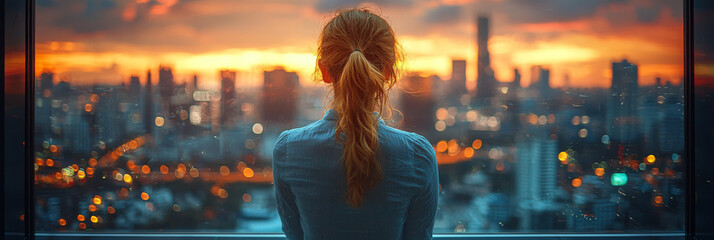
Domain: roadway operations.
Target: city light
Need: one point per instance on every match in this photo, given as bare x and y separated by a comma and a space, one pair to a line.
441, 146
563, 157
618, 179
599, 172
257, 128
225, 171
105, 119
159, 121
248, 172
477, 144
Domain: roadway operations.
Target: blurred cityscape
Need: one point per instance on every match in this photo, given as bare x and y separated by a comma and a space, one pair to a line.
171, 156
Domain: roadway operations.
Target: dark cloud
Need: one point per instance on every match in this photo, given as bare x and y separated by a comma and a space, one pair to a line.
648, 14
443, 14
704, 32
331, 5
539, 11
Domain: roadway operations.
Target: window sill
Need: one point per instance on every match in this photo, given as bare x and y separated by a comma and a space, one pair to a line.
264, 236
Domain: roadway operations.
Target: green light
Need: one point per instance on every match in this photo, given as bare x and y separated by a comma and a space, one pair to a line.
618, 179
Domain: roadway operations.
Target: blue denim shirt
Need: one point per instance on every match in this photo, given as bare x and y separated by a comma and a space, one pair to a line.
310, 186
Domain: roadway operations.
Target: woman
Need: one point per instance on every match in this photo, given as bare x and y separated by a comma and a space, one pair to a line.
349, 176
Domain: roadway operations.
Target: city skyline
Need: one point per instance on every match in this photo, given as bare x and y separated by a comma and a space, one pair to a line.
579, 44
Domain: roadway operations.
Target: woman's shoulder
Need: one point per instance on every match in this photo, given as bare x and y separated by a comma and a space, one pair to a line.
296, 133
415, 142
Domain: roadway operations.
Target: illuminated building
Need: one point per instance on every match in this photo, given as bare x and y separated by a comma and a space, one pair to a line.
109, 124
485, 82
622, 119
594, 206
279, 96
536, 172
228, 98
43, 108
662, 118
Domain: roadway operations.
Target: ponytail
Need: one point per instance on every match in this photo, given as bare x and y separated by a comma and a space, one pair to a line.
359, 50
359, 82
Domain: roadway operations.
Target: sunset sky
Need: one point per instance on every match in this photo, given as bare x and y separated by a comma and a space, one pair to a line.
95, 41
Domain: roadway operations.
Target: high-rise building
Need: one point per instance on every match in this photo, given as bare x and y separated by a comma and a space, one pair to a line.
148, 105
485, 82
622, 118
134, 87
417, 104
280, 93
195, 82
43, 110
110, 125
536, 172
516, 79
457, 84
166, 82
540, 79
228, 97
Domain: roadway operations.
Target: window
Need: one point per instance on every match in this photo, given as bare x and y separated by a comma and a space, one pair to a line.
161, 115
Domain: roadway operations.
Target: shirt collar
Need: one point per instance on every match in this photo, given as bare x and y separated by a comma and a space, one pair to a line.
333, 115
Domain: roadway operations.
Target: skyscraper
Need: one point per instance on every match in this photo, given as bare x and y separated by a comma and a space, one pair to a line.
134, 87
457, 84
417, 104
622, 117
540, 79
149, 104
166, 82
485, 82
228, 97
280, 92
536, 185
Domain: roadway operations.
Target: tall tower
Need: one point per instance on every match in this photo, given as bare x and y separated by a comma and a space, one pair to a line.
228, 97
149, 105
485, 82
622, 118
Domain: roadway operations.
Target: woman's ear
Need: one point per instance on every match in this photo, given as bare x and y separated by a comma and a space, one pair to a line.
325, 74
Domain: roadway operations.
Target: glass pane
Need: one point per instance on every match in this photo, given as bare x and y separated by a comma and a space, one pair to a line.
546, 116
14, 116
703, 103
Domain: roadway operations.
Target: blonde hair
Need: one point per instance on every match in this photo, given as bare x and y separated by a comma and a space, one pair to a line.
360, 52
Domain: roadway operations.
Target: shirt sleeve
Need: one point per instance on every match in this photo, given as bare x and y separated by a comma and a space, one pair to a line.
285, 199
419, 222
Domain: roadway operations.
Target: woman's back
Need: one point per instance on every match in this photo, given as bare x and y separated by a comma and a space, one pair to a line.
311, 184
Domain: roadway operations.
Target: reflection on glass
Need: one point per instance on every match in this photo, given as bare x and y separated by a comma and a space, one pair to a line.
161, 116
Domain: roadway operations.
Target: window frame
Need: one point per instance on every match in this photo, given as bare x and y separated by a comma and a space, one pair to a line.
30, 232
